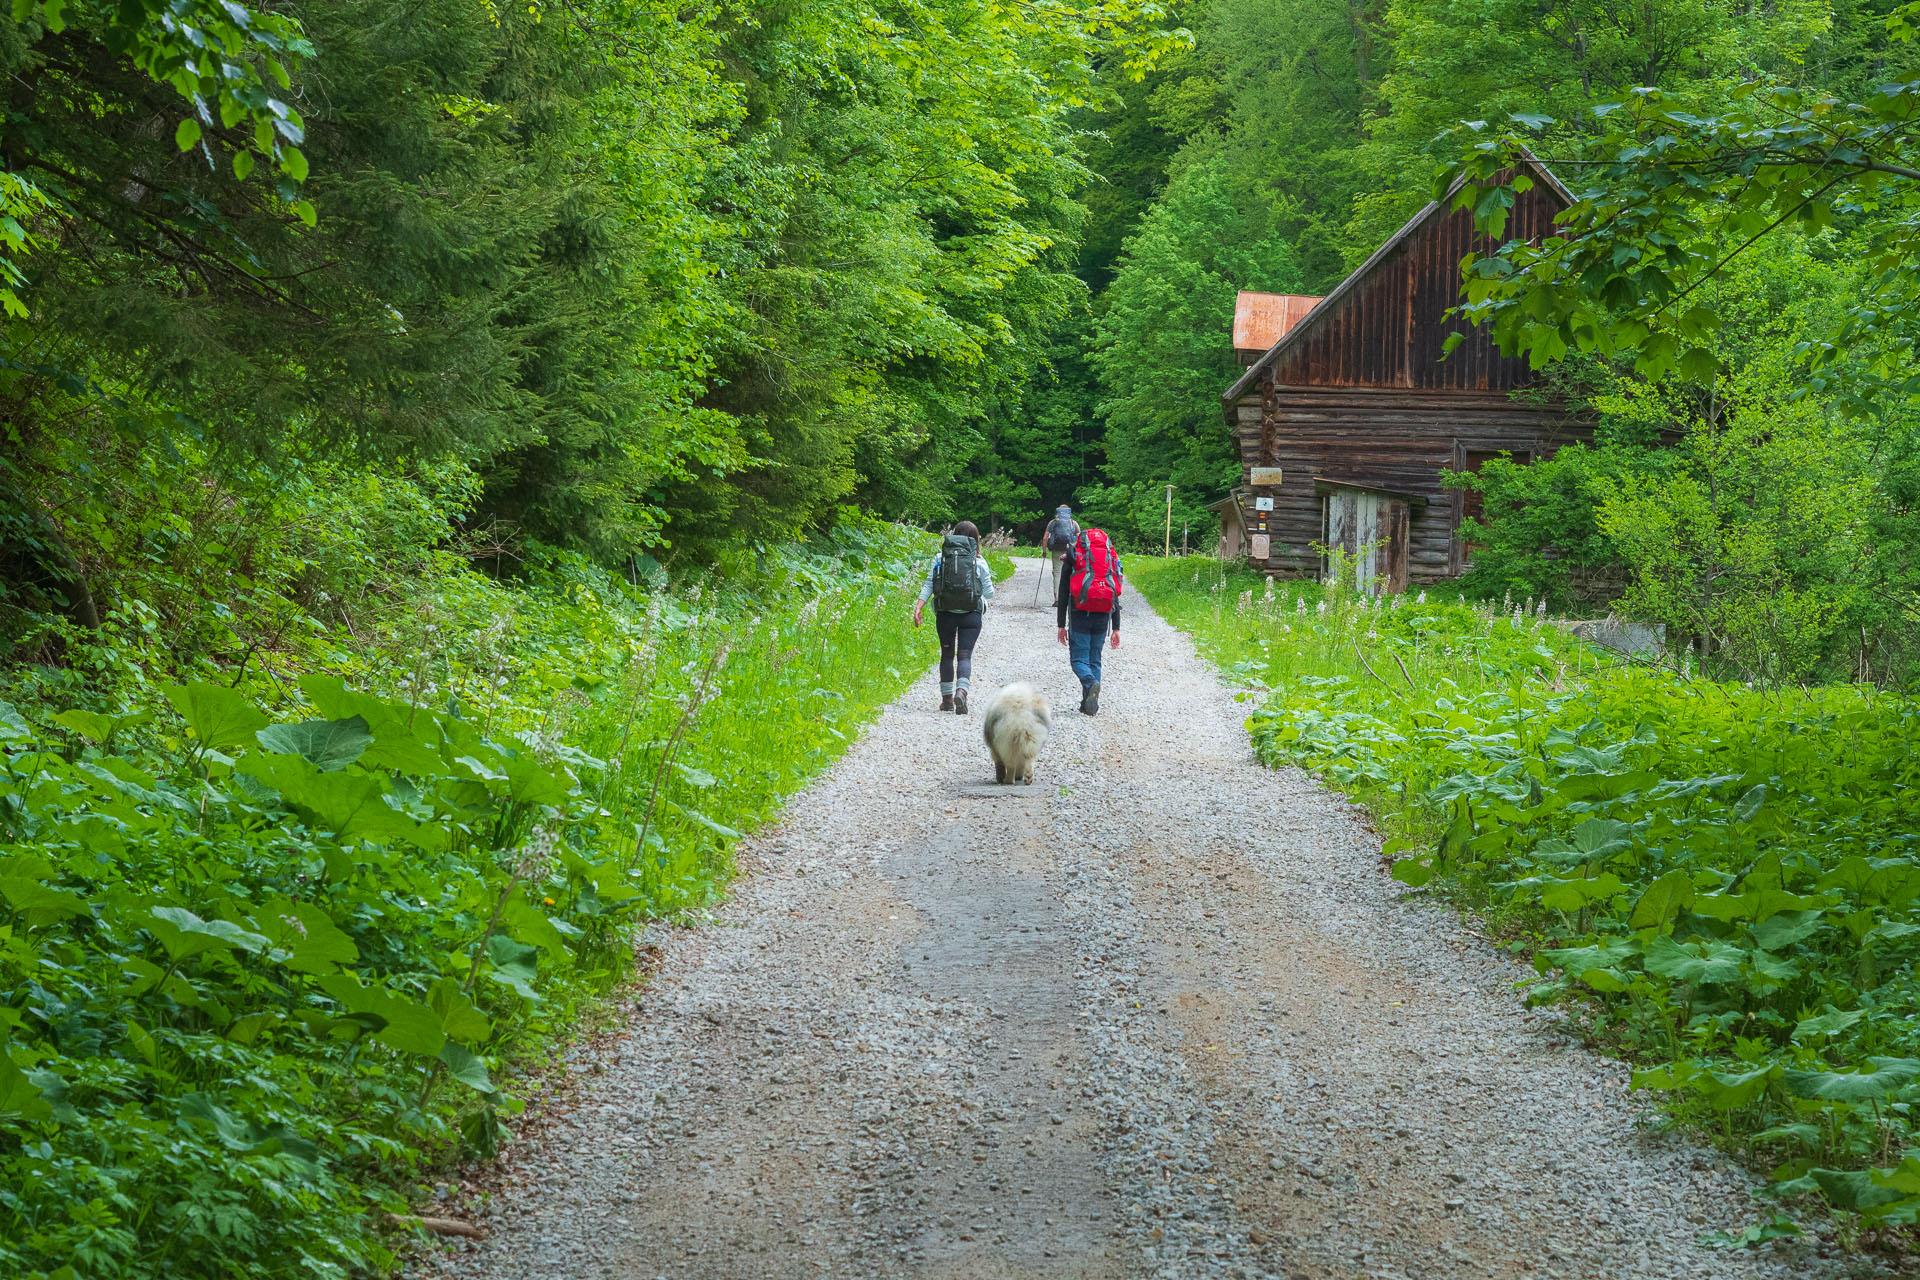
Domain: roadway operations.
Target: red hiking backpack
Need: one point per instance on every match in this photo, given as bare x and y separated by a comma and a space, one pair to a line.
1096, 582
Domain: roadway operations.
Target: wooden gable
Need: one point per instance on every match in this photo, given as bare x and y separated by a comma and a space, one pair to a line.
1386, 324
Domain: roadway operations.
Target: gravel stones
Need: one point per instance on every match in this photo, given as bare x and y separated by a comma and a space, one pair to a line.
1159, 1015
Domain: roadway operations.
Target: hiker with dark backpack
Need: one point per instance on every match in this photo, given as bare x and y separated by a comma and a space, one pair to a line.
1062, 530
959, 583
1087, 610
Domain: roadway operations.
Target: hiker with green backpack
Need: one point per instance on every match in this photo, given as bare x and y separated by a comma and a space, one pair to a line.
959, 583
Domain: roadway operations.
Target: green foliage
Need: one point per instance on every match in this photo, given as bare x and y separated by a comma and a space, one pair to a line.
1447, 63
272, 946
1723, 880
1752, 543
656, 276
1539, 532
229, 65
1772, 529
1674, 193
1166, 345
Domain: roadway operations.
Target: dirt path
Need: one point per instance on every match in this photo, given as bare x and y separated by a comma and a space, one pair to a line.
1159, 1015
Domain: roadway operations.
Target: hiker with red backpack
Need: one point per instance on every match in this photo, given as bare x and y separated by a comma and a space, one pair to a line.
1087, 610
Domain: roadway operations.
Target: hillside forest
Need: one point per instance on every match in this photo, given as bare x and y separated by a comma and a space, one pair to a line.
652, 287
462, 465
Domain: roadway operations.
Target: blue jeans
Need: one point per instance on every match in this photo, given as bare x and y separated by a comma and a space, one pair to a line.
1083, 647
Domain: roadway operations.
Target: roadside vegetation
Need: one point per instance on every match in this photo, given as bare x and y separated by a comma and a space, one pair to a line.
294, 885
1722, 880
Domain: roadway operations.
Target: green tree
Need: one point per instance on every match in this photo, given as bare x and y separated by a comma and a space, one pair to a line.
1490, 59
1166, 337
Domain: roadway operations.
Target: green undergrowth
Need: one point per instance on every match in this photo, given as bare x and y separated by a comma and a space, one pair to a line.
1722, 879
280, 922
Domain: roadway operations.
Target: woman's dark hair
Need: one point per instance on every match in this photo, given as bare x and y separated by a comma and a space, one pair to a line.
968, 529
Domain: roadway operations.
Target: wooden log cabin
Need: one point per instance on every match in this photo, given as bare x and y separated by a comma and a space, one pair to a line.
1348, 419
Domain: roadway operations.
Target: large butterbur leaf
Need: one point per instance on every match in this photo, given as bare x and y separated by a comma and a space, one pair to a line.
1662, 900
405, 739
304, 937
350, 803
464, 1065
1778, 932
184, 934
514, 964
328, 745
459, 1017
399, 1021
219, 717
98, 728
1723, 1090
1830, 1023
1855, 1189
531, 782
1580, 891
1878, 1078
19, 1095
1697, 962
1604, 954
41, 905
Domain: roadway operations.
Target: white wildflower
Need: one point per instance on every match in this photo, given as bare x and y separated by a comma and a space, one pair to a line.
536, 855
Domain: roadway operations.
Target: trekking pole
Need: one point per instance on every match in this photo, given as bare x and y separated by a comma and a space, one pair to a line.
1042, 578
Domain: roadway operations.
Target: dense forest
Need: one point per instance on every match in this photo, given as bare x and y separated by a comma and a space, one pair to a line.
653, 287
436, 440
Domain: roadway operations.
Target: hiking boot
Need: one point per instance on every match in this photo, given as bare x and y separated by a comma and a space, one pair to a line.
959, 702
1090, 699
946, 702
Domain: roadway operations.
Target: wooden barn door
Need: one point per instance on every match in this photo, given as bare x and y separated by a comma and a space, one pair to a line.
1370, 533
1393, 542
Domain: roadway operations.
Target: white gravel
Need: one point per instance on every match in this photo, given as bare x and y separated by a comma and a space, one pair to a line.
1160, 1015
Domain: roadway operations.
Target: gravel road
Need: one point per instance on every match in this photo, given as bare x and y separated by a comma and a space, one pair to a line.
1161, 1014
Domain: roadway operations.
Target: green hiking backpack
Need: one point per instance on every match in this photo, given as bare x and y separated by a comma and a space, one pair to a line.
956, 589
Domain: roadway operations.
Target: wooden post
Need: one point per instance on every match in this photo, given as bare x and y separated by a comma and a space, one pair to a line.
1166, 548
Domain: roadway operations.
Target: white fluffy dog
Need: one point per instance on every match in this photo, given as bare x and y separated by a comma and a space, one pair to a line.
1016, 725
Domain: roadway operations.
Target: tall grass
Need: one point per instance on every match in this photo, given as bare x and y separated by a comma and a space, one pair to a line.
256, 978
1722, 881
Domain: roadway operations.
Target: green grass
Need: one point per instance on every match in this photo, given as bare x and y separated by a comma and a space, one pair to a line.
1722, 880
275, 940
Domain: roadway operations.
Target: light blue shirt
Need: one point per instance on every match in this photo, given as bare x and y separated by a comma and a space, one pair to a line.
982, 582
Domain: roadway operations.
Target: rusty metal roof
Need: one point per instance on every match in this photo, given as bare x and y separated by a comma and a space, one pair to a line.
1262, 319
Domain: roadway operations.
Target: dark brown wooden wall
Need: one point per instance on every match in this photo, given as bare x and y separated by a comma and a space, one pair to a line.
1389, 329
1398, 441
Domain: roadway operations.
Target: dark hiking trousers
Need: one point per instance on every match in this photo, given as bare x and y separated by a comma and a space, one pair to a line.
958, 632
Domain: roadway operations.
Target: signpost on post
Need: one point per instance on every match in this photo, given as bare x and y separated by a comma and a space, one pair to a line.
1166, 548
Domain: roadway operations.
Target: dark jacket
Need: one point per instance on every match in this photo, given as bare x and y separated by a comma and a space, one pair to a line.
1081, 619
